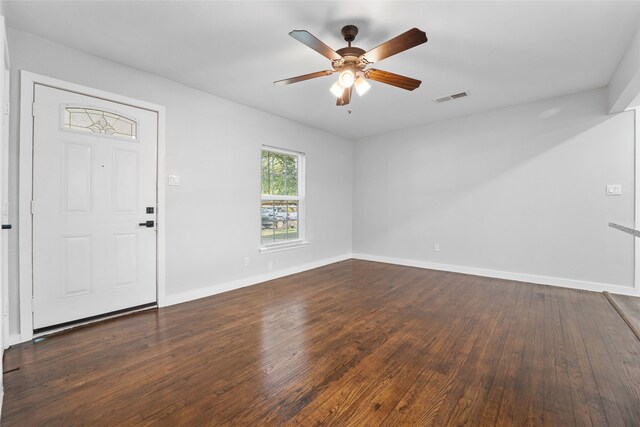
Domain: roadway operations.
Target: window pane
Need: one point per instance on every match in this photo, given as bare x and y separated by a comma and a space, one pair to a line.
279, 221
279, 173
268, 226
102, 122
292, 231
266, 183
291, 166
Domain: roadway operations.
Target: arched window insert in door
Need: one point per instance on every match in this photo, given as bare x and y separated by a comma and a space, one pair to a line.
101, 122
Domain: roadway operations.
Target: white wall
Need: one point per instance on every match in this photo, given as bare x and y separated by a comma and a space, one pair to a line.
519, 189
214, 145
625, 82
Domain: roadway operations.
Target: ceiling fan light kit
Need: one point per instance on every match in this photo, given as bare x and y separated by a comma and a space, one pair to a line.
336, 89
362, 86
351, 62
347, 76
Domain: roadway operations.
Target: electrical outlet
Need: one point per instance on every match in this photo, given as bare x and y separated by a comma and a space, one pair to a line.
436, 247
270, 265
246, 261
174, 180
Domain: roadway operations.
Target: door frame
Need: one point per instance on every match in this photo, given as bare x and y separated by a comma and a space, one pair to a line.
636, 219
28, 80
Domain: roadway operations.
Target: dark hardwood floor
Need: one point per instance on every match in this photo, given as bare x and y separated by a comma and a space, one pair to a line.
629, 309
354, 343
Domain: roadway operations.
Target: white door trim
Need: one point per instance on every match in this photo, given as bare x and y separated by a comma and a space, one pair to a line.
636, 247
25, 189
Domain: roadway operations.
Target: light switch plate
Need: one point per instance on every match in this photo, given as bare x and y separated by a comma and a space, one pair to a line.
614, 190
174, 179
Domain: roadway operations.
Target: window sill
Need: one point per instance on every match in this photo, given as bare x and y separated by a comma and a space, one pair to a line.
283, 246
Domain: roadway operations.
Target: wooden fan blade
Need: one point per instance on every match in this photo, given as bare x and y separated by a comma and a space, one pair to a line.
392, 79
303, 77
404, 41
345, 98
305, 37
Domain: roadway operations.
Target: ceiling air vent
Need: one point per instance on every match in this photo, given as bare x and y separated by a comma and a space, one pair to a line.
451, 97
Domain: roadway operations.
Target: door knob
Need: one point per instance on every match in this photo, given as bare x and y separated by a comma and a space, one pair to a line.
148, 224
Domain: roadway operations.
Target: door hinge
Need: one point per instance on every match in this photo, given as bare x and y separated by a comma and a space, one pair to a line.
7, 108
33, 109
32, 207
33, 305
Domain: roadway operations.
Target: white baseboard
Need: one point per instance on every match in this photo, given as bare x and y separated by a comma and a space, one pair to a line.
13, 340
497, 274
253, 280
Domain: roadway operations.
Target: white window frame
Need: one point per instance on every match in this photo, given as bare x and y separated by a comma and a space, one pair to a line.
300, 198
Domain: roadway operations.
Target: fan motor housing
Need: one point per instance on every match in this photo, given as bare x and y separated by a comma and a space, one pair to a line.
350, 55
351, 51
349, 32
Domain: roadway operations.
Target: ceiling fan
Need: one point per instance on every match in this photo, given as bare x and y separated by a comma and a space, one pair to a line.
351, 62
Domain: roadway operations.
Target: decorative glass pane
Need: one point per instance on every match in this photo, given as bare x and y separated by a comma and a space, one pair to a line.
101, 122
279, 174
279, 221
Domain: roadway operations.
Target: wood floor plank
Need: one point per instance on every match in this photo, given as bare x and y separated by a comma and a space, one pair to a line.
608, 352
472, 396
353, 343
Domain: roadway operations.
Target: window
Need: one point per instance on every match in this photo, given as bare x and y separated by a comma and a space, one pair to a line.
282, 207
92, 120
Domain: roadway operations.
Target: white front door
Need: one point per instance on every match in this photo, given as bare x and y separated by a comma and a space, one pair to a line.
94, 183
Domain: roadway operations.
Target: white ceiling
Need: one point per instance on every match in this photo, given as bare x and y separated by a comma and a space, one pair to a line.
503, 53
